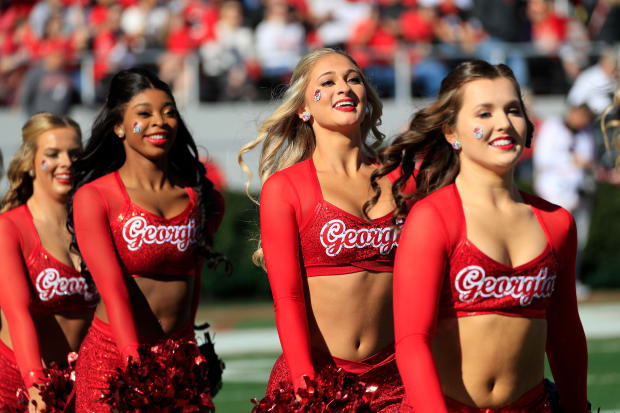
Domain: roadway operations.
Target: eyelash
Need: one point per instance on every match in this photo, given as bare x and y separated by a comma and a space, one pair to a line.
352, 79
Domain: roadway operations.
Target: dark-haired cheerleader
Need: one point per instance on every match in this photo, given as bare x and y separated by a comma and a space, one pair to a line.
144, 216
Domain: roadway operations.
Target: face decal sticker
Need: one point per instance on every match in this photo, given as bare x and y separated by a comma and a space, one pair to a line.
137, 128
317, 95
44, 166
478, 132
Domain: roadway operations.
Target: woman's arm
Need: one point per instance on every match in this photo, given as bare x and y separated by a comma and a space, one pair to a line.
418, 275
566, 342
15, 298
92, 231
280, 242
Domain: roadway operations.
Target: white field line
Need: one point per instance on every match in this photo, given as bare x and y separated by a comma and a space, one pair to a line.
599, 321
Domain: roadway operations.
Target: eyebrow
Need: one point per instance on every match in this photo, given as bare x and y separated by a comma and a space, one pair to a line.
490, 105
331, 72
149, 105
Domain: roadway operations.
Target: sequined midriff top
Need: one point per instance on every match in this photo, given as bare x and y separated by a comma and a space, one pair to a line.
477, 284
57, 287
150, 245
333, 241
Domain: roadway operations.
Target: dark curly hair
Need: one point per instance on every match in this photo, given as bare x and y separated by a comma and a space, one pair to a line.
424, 144
105, 153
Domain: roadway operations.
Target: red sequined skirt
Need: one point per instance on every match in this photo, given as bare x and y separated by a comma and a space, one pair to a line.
534, 401
379, 369
10, 378
98, 358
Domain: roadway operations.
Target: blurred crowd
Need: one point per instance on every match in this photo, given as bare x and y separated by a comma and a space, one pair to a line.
243, 48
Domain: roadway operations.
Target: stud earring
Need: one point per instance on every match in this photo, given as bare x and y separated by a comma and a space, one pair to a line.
367, 109
305, 117
456, 145
31, 173
317, 95
121, 134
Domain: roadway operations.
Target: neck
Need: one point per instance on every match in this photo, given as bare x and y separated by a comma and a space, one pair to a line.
338, 152
145, 173
46, 208
477, 184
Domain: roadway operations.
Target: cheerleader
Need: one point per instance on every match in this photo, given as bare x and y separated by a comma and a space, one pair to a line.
46, 304
484, 277
144, 216
330, 268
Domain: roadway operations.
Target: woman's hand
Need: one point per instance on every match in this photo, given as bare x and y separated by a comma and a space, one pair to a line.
35, 397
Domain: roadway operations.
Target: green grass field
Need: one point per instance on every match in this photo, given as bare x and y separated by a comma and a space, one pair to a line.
247, 375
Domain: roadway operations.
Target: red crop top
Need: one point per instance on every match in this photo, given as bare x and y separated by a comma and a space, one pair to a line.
118, 238
301, 234
33, 281
438, 272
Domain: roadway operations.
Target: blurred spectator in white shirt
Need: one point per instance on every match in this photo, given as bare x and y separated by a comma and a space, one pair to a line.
563, 164
280, 40
595, 86
336, 19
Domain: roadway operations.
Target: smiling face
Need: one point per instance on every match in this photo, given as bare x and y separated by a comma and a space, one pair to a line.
342, 102
55, 153
490, 126
149, 124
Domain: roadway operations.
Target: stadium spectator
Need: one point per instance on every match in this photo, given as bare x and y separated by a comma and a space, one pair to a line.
229, 60
596, 85
47, 87
505, 24
335, 20
280, 42
563, 166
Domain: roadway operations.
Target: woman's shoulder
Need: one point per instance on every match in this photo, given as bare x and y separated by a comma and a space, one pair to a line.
14, 222
554, 216
296, 175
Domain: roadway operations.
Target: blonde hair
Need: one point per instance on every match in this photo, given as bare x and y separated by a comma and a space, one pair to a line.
287, 140
20, 167
612, 124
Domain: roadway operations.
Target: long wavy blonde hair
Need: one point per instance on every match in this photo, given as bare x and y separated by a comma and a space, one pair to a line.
614, 126
20, 170
287, 140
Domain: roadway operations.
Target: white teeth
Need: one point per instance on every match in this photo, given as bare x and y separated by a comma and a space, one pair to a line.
157, 137
501, 142
341, 104
63, 176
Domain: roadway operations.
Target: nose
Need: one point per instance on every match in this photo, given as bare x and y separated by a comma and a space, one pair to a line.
65, 159
503, 122
158, 118
343, 87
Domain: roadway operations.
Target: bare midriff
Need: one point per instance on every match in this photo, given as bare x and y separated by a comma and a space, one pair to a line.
160, 305
489, 360
350, 315
59, 334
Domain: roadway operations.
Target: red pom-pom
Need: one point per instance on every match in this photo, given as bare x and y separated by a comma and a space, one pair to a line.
333, 390
171, 376
56, 389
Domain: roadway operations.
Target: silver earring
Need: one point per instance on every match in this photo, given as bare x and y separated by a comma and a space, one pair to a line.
31, 173
121, 134
305, 116
456, 145
367, 109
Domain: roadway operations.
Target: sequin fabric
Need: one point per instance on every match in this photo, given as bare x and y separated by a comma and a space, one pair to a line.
57, 287
148, 244
10, 378
380, 370
98, 358
478, 284
334, 238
